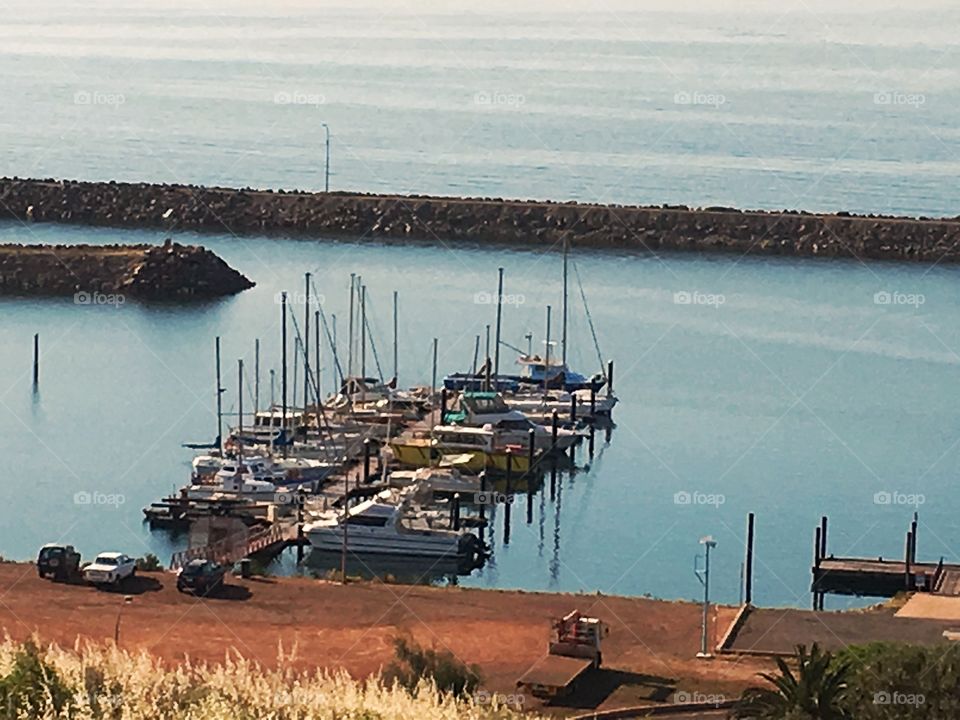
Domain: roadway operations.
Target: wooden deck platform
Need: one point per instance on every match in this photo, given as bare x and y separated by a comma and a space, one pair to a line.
880, 577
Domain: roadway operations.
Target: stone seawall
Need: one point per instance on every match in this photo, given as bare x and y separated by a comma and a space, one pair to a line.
90, 272
481, 220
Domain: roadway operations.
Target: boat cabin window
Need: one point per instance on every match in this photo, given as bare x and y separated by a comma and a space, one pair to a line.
367, 520
514, 424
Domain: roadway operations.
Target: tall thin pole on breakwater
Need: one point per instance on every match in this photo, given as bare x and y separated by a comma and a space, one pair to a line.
326, 163
496, 347
306, 341
708, 543
219, 401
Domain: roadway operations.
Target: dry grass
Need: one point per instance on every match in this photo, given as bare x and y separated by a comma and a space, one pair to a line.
107, 682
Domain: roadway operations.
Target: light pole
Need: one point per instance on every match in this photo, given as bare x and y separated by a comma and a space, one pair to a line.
704, 577
326, 165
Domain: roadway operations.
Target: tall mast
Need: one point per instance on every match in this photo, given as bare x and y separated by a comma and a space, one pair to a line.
353, 282
395, 376
563, 342
363, 331
240, 399
219, 402
316, 371
256, 375
546, 367
496, 347
283, 363
306, 342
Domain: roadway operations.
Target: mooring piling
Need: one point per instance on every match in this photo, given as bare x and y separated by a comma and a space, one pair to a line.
36, 359
748, 562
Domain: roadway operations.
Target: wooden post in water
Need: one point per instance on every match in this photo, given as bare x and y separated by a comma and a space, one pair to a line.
907, 560
592, 439
748, 563
816, 567
455, 512
366, 461
36, 360
610, 378
531, 453
913, 536
508, 499
483, 496
823, 536
300, 500
443, 404
573, 408
553, 430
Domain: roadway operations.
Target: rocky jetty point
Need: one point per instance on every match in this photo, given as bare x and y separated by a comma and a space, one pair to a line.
482, 220
150, 272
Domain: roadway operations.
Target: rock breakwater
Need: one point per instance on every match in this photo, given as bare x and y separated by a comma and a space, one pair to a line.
482, 220
88, 272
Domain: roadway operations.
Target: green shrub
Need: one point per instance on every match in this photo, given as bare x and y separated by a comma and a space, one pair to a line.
31, 686
149, 563
413, 663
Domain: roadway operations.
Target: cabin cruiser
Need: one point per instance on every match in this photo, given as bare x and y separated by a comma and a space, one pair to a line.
537, 406
239, 479
436, 480
281, 471
489, 411
470, 449
535, 372
388, 525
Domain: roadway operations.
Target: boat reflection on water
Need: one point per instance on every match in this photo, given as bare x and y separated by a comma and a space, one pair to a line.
393, 568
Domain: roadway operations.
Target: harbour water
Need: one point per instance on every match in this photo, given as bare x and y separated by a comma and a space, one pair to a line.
785, 387
794, 394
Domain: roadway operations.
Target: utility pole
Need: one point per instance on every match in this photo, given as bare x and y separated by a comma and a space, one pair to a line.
704, 577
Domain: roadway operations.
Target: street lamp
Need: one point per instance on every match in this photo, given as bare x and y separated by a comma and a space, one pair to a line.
704, 577
326, 165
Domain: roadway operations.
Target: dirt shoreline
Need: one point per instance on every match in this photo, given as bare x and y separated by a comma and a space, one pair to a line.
648, 657
481, 220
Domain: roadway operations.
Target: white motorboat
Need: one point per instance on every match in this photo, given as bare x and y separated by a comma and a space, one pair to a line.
437, 480
538, 406
387, 525
489, 410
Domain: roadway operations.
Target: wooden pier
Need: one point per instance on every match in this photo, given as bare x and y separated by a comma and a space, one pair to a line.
879, 576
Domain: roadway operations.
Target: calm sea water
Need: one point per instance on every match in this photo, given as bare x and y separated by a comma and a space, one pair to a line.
793, 393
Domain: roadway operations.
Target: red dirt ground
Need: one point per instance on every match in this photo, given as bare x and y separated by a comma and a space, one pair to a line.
649, 653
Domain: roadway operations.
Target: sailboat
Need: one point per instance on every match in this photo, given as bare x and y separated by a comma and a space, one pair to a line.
546, 372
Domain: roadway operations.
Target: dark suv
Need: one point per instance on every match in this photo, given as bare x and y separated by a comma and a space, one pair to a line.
61, 562
201, 577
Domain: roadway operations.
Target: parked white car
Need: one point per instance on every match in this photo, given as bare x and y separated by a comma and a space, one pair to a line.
110, 568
